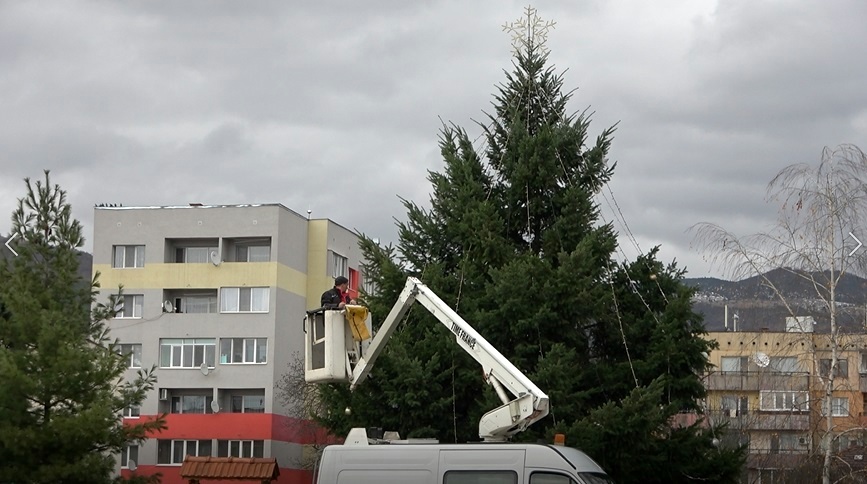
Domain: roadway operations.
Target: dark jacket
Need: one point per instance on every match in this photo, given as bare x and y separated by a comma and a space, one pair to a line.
332, 298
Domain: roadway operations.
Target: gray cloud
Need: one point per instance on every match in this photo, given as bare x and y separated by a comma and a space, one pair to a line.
336, 109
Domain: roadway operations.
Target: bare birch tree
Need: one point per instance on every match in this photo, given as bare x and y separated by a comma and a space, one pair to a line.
302, 403
820, 209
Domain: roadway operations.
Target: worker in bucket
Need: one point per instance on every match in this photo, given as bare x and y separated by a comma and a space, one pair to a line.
336, 297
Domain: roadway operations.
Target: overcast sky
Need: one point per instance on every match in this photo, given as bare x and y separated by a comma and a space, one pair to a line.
335, 107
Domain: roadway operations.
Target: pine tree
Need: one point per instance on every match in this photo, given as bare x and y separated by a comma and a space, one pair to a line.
514, 243
61, 388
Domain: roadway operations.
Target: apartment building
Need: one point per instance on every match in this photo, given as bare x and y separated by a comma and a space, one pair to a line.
214, 298
769, 388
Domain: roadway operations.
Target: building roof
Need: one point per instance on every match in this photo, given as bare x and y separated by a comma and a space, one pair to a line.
236, 468
206, 206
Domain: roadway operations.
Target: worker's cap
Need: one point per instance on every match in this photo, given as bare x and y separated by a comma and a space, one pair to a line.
340, 280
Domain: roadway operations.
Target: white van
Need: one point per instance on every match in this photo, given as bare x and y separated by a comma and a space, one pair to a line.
357, 462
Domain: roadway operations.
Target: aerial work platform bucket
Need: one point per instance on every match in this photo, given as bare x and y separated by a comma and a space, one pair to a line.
333, 341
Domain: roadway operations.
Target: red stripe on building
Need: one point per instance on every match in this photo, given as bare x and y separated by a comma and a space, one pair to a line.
240, 426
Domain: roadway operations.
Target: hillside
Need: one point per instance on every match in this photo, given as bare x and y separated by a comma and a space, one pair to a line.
757, 307
85, 260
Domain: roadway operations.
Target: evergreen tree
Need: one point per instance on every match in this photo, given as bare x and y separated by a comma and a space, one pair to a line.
61, 388
514, 243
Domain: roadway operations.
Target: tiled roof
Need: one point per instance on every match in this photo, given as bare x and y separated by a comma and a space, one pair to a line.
229, 468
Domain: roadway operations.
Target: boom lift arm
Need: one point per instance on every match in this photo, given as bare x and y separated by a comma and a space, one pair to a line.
526, 404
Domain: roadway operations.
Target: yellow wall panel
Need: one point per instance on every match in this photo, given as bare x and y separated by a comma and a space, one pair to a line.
180, 276
317, 261
291, 280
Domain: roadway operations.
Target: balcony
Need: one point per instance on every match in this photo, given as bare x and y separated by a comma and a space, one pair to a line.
762, 420
757, 381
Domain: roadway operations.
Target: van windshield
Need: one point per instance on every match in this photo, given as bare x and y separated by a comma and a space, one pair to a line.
595, 478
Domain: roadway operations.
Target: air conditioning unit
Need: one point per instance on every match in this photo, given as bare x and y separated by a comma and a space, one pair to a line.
802, 440
164, 393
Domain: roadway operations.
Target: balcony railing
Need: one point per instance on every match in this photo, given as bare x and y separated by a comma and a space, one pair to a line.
762, 420
799, 450
775, 459
757, 381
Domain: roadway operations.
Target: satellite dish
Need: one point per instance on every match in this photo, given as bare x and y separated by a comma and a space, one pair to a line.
204, 369
215, 407
215, 258
131, 465
168, 306
762, 359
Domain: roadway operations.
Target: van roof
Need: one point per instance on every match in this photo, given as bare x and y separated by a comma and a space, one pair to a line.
542, 455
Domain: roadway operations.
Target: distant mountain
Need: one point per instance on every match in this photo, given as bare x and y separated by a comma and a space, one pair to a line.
85, 265
757, 306
85, 260
850, 288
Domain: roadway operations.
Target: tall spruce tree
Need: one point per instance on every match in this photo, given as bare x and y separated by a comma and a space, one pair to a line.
61, 387
514, 242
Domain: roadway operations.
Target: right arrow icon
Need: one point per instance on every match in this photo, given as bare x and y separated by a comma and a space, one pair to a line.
856, 240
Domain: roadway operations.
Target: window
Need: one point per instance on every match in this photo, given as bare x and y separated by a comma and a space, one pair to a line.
839, 407
192, 404
480, 477
253, 253
128, 455
128, 256
734, 438
775, 444
842, 368
133, 354
790, 442
549, 478
132, 412
784, 401
734, 405
193, 301
194, 255
863, 368
367, 283
785, 364
172, 452
240, 448
196, 304
733, 363
187, 353
248, 403
595, 478
244, 299
845, 441
129, 306
243, 350
339, 265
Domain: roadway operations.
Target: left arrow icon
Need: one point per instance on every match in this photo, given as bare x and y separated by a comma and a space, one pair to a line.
10, 247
